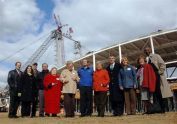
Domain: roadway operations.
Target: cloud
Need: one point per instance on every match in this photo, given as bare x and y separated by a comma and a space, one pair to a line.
20, 22
28, 44
18, 17
106, 22
96, 23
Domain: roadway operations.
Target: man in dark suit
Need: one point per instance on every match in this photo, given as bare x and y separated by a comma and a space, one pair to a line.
13, 80
116, 94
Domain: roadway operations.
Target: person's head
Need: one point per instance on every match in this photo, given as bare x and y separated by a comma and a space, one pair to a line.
147, 51
53, 71
141, 60
69, 65
28, 70
112, 59
34, 66
44, 66
124, 61
84, 62
99, 65
18, 65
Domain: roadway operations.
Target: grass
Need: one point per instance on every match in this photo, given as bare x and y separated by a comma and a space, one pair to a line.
167, 118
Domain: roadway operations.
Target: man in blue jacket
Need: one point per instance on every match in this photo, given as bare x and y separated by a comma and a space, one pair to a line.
85, 85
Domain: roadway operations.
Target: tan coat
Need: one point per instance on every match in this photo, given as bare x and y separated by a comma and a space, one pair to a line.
69, 84
160, 65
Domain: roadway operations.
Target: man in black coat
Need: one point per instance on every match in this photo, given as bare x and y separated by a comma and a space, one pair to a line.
13, 80
41, 88
35, 101
116, 95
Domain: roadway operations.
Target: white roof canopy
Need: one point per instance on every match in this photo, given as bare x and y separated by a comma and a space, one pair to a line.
163, 43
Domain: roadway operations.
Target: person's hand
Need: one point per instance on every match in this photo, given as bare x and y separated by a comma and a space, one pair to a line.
19, 94
134, 86
74, 78
161, 72
103, 85
121, 88
49, 86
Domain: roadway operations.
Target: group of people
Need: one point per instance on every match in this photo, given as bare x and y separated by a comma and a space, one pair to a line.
120, 79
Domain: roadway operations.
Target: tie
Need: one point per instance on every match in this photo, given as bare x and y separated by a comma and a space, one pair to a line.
19, 73
148, 60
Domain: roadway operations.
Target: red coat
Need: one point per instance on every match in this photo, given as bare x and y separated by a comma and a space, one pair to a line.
52, 94
100, 80
149, 78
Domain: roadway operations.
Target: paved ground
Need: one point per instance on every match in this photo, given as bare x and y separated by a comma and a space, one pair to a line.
167, 118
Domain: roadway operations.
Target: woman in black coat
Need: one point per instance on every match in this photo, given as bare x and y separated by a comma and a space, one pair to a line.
28, 91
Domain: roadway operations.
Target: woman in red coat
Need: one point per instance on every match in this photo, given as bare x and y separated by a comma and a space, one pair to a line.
147, 81
52, 93
100, 86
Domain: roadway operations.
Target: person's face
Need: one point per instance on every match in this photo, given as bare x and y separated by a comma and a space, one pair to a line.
44, 67
18, 66
147, 51
141, 61
125, 62
84, 63
111, 59
54, 71
29, 69
34, 67
70, 66
99, 66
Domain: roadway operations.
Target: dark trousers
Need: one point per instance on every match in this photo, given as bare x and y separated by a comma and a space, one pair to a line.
100, 102
34, 105
69, 104
26, 109
157, 96
130, 101
117, 101
86, 100
14, 103
117, 107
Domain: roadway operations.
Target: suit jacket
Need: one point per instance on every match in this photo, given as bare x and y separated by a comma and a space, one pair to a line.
14, 81
113, 74
160, 66
115, 93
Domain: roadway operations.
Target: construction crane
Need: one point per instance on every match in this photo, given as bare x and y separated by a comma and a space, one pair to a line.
41, 50
56, 36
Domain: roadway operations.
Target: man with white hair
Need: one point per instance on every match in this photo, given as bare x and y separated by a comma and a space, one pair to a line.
69, 77
162, 90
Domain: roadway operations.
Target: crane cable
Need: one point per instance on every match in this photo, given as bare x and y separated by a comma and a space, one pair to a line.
18, 51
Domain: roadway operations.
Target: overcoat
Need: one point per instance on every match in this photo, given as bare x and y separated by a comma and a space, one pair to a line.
160, 65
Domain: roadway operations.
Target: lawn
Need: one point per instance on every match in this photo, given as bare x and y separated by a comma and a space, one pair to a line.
167, 118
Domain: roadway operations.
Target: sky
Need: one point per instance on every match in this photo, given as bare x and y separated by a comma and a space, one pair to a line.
103, 22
